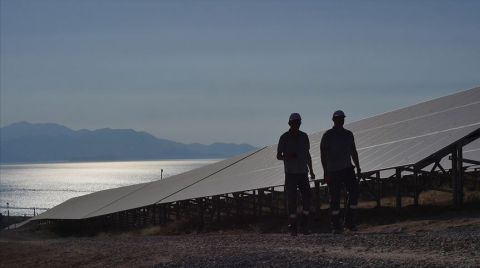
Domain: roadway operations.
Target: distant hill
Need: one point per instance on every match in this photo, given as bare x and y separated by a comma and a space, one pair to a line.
26, 143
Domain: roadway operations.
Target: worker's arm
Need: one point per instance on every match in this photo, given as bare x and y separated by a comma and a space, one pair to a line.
354, 154
355, 160
323, 158
310, 166
279, 155
309, 162
280, 149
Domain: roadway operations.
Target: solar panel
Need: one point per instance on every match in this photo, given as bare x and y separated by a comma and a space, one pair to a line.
472, 151
157, 190
394, 139
79, 207
259, 171
128, 197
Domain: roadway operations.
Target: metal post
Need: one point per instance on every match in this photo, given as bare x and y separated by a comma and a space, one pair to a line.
260, 204
415, 188
254, 199
379, 188
460, 174
455, 177
398, 180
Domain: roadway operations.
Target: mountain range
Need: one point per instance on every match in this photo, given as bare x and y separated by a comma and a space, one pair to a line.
25, 142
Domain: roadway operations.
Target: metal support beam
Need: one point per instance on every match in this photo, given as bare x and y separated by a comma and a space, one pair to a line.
441, 168
438, 165
447, 150
457, 173
434, 167
419, 171
469, 161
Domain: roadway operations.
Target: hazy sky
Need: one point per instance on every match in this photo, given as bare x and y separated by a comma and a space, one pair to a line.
230, 71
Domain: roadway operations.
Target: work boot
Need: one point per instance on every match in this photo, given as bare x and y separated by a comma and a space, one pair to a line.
304, 224
292, 226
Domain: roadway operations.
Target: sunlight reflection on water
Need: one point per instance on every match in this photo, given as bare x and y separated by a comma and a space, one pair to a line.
25, 186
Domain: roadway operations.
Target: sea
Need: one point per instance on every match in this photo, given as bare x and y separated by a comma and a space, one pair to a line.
28, 189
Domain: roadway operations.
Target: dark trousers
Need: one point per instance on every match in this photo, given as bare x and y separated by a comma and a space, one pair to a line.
292, 181
337, 180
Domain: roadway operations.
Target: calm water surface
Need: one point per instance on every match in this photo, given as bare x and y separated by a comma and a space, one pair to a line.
42, 186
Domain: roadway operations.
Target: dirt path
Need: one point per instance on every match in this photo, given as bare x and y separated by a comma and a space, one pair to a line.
445, 242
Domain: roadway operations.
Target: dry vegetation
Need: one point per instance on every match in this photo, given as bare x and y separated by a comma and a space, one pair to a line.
434, 234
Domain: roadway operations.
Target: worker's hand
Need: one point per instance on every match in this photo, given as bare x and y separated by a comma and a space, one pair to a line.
312, 175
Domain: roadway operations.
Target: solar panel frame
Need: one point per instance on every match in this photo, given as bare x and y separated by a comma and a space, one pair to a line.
158, 190
398, 147
387, 141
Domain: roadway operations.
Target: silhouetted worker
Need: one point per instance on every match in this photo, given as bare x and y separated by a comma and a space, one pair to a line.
294, 150
337, 149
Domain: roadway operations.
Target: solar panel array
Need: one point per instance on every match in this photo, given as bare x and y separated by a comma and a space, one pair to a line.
128, 197
394, 139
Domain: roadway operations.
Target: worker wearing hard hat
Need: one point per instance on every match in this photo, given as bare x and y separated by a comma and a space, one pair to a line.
337, 150
294, 150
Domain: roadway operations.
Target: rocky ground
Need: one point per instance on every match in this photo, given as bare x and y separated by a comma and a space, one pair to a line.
451, 239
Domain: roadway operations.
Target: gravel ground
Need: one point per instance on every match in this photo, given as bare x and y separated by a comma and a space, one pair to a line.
453, 242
